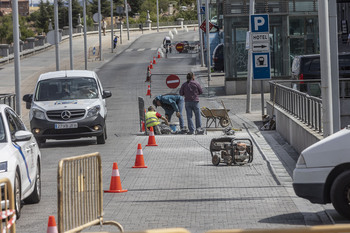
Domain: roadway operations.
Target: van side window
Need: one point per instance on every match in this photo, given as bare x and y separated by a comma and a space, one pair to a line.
344, 62
315, 65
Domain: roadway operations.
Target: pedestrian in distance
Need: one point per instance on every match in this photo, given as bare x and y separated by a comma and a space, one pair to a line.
171, 103
115, 41
152, 120
348, 43
104, 26
191, 91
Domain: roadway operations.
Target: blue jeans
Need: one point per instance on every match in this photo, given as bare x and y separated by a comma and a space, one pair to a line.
169, 112
193, 106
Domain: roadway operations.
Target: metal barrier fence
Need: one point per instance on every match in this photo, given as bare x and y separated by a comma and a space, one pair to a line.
306, 108
9, 99
8, 213
80, 200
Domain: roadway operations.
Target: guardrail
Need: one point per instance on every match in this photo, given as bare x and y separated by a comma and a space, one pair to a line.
8, 213
80, 200
9, 99
306, 108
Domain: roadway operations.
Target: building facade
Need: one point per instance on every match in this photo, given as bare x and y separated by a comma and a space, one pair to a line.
6, 7
293, 31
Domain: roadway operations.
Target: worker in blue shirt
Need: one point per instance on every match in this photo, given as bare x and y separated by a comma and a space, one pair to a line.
171, 103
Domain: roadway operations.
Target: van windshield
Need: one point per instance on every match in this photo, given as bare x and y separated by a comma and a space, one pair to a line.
66, 89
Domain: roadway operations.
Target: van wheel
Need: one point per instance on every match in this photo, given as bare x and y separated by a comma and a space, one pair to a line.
340, 194
40, 141
102, 138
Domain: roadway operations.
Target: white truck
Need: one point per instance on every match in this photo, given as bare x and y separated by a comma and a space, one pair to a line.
322, 173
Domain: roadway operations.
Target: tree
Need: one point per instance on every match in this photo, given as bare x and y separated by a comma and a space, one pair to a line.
45, 13
76, 10
105, 7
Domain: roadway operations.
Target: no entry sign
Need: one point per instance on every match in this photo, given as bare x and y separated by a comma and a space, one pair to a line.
179, 47
172, 81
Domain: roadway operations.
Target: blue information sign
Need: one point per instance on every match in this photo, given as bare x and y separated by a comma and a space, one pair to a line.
260, 23
261, 66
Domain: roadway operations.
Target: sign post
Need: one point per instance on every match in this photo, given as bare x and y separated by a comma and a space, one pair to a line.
260, 46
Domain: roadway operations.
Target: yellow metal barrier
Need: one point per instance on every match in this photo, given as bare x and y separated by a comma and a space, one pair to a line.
315, 229
8, 213
80, 200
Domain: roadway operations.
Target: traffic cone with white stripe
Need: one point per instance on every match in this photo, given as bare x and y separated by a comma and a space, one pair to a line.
151, 65
151, 138
139, 162
149, 90
115, 185
154, 60
51, 225
158, 54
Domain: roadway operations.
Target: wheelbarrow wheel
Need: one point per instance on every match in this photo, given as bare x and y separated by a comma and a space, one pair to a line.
215, 160
224, 122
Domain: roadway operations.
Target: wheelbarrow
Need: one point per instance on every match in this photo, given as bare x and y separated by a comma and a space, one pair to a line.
216, 116
230, 150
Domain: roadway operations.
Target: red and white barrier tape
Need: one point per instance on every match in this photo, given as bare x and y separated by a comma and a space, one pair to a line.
4, 214
10, 223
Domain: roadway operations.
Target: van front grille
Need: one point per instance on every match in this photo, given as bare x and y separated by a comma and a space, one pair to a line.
65, 115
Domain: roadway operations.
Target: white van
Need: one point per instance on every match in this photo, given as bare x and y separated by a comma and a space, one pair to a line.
68, 104
322, 173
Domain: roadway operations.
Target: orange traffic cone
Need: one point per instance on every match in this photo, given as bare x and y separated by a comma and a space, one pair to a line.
151, 138
158, 54
115, 186
154, 60
151, 65
51, 225
149, 90
139, 162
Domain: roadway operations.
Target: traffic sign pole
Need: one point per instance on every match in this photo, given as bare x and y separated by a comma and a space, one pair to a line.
200, 33
208, 42
249, 73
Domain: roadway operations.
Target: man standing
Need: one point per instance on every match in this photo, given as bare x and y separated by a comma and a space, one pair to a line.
104, 26
152, 119
170, 104
191, 90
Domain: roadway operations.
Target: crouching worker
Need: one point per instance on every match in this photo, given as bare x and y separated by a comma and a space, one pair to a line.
152, 119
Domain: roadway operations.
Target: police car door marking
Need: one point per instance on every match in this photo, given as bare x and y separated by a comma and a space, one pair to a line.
25, 161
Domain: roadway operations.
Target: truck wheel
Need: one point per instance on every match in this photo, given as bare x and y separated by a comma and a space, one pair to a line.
102, 138
340, 194
215, 160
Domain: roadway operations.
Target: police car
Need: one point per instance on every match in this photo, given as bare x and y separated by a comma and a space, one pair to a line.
20, 159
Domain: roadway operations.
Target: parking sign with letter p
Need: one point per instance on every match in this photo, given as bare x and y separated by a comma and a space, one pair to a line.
260, 23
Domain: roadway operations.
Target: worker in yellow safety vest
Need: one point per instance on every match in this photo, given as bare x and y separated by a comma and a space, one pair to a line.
152, 119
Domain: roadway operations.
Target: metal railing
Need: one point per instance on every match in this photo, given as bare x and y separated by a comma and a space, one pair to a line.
8, 213
80, 200
9, 99
306, 108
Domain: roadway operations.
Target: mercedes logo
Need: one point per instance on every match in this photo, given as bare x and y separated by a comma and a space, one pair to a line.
66, 115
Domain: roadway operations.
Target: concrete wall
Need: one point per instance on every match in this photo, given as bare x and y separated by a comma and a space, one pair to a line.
297, 134
239, 87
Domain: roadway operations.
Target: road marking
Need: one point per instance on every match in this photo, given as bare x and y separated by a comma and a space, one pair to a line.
128, 50
139, 50
154, 49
